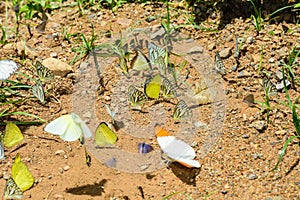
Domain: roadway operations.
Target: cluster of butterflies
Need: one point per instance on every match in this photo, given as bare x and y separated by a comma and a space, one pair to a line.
44, 74
157, 85
71, 127
21, 179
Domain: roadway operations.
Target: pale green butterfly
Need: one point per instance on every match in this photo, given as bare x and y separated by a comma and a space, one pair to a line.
69, 127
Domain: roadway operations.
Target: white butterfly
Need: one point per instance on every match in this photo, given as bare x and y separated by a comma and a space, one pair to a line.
178, 150
38, 91
1, 151
69, 127
111, 113
7, 68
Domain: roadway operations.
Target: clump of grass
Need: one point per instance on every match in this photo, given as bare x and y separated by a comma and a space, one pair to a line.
296, 121
257, 17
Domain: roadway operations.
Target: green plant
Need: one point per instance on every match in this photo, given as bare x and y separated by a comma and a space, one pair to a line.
291, 65
257, 18
296, 121
295, 6
113, 4
86, 47
11, 97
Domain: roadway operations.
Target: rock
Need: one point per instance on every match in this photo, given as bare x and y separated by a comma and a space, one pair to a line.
53, 55
59, 152
245, 136
211, 46
66, 168
23, 48
252, 176
243, 73
280, 85
284, 51
225, 53
272, 60
278, 74
259, 125
124, 21
58, 67
257, 155
249, 40
281, 132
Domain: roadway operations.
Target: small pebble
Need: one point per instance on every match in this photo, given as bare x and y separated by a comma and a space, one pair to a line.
259, 125
59, 152
245, 136
66, 168
252, 176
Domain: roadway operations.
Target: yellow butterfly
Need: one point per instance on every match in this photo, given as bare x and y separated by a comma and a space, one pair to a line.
140, 62
12, 136
20, 181
152, 88
104, 135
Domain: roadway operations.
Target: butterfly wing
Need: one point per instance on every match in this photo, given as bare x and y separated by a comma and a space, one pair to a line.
38, 91
182, 111
12, 136
21, 174
59, 125
153, 87
144, 148
84, 128
136, 97
178, 150
12, 191
43, 72
2, 155
140, 62
104, 135
219, 65
7, 68
168, 89
155, 52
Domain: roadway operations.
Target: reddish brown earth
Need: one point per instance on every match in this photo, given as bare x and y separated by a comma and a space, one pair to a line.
239, 164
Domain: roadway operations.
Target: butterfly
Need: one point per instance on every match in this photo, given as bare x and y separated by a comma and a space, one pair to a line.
12, 190
269, 87
140, 62
7, 68
123, 65
144, 148
182, 111
20, 181
157, 56
168, 89
69, 127
111, 113
219, 65
38, 91
88, 159
177, 150
44, 73
12, 136
21, 174
152, 87
136, 97
2, 156
104, 135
